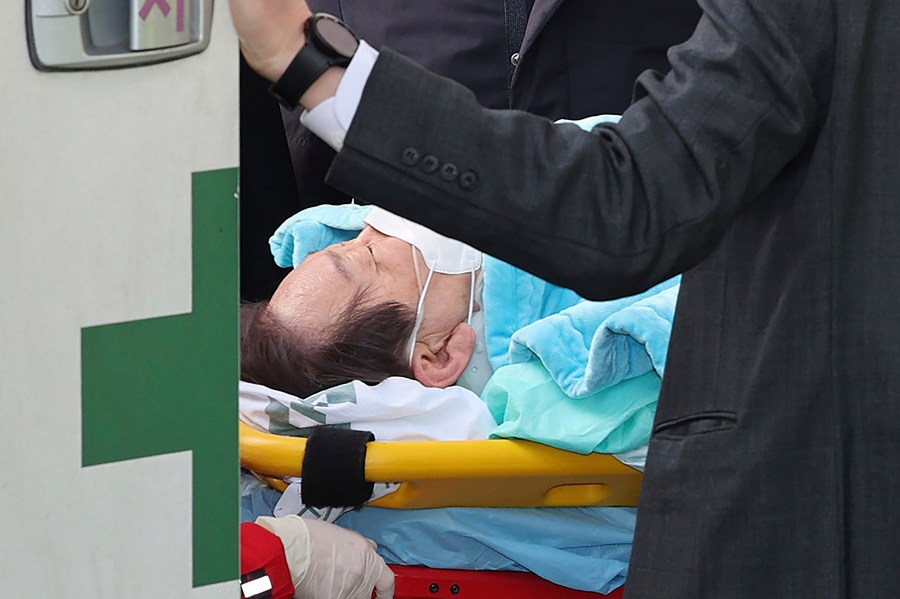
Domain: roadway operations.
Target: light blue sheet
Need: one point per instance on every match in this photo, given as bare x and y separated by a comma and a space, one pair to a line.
258, 502
581, 548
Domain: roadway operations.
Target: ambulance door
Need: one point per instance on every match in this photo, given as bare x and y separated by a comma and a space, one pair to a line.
118, 299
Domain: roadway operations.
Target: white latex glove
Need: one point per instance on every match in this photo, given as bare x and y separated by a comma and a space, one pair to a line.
330, 562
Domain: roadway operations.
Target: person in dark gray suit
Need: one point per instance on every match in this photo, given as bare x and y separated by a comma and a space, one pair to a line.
764, 167
542, 56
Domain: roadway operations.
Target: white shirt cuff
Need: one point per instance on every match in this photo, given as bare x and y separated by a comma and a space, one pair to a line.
331, 119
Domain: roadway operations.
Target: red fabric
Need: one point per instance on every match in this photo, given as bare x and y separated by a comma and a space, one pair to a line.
262, 550
418, 582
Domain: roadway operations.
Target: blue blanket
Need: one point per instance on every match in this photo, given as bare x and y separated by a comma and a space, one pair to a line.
586, 346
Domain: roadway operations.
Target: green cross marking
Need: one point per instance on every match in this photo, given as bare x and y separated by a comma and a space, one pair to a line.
168, 384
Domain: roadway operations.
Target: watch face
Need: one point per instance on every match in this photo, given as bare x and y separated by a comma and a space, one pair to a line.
334, 33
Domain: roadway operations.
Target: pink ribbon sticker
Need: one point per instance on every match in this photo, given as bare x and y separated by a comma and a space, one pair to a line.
165, 8
179, 16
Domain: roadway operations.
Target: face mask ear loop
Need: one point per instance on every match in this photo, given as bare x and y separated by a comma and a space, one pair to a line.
471, 299
416, 265
420, 314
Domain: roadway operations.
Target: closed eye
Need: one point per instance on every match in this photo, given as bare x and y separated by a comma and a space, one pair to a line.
374, 261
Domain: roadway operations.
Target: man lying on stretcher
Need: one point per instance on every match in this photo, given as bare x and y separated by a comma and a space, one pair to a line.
374, 296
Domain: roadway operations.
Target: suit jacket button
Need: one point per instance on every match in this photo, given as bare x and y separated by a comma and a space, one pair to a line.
430, 164
468, 180
410, 156
449, 171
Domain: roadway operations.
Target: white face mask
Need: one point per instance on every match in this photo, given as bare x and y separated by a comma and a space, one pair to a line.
441, 254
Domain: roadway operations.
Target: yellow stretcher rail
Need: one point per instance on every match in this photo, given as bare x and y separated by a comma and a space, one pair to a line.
489, 473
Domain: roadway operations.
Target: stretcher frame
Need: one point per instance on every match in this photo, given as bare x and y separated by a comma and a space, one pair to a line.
483, 473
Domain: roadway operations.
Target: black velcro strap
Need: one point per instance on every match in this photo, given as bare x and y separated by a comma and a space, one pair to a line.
334, 468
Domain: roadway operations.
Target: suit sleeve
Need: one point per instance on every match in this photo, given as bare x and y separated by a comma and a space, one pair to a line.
614, 211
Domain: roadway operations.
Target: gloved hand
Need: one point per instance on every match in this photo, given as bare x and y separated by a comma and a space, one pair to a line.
330, 562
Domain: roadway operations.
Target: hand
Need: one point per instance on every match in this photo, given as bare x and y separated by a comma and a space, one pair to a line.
271, 32
330, 562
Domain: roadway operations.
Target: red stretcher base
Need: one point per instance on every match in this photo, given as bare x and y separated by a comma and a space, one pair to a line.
416, 582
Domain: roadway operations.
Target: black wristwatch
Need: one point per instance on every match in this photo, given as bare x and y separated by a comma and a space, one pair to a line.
329, 42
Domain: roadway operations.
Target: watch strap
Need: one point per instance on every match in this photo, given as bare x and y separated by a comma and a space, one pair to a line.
307, 66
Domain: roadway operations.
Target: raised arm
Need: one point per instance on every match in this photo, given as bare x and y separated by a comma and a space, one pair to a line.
615, 211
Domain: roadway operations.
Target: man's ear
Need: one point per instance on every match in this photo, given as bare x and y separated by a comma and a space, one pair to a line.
440, 362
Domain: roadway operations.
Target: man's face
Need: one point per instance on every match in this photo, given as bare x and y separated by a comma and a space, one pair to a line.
317, 291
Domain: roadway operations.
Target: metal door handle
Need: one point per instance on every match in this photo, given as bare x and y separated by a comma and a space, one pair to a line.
98, 34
